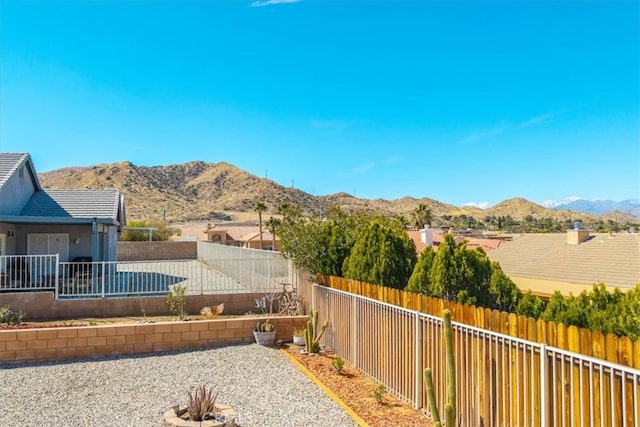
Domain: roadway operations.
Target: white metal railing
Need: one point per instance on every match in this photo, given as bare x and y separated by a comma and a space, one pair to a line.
103, 279
28, 272
238, 271
265, 271
501, 381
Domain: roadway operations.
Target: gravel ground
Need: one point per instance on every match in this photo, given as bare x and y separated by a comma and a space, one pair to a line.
260, 383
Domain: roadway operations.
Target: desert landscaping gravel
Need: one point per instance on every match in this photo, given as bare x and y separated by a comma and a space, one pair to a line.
260, 383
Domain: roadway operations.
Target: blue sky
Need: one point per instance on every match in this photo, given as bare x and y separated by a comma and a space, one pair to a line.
458, 101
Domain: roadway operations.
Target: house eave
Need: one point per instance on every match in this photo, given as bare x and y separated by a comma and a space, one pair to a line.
17, 219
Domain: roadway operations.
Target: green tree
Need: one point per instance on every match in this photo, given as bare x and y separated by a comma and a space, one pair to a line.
320, 245
422, 216
383, 254
260, 207
530, 305
555, 309
460, 274
627, 318
419, 281
273, 224
442, 277
504, 294
301, 239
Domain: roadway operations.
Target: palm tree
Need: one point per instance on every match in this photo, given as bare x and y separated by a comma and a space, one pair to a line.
421, 216
260, 207
273, 223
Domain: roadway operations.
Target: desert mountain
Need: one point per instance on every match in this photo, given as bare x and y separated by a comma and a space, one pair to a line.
631, 206
199, 191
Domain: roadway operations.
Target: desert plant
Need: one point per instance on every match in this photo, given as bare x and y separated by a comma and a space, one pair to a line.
338, 365
9, 317
450, 406
312, 335
265, 326
298, 332
177, 301
201, 404
379, 392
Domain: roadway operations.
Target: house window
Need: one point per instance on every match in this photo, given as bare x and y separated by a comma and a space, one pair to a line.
21, 171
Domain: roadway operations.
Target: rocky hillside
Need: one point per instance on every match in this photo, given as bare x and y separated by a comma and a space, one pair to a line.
199, 191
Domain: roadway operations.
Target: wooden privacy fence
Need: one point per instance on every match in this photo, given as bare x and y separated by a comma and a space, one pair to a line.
502, 380
609, 347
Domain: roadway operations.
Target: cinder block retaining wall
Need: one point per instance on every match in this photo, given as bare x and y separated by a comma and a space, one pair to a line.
44, 306
148, 251
28, 345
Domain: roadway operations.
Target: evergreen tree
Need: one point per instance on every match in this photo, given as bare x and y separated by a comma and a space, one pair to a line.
442, 277
504, 294
383, 254
460, 274
419, 281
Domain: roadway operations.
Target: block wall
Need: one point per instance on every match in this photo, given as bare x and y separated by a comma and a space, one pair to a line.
149, 251
44, 306
30, 345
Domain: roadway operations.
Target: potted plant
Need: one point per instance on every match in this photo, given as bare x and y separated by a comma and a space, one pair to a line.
298, 336
265, 333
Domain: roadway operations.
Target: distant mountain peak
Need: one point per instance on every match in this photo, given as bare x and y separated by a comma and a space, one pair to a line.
597, 207
552, 204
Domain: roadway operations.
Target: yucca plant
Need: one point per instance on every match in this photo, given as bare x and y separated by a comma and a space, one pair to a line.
201, 404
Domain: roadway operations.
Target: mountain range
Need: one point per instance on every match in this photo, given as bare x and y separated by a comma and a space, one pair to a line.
199, 191
598, 207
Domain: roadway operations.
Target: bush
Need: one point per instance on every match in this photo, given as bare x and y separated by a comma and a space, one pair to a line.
177, 301
531, 306
338, 365
10, 317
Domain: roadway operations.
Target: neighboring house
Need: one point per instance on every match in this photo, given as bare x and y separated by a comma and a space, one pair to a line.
75, 224
242, 236
570, 262
430, 237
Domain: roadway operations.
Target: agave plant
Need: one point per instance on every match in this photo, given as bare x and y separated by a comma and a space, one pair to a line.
201, 405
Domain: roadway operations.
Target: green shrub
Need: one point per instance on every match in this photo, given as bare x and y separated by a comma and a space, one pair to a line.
338, 365
10, 317
177, 301
379, 392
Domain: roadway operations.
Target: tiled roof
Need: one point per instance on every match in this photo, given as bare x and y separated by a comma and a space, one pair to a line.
73, 204
472, 243
9, 163
613, 260
486, 244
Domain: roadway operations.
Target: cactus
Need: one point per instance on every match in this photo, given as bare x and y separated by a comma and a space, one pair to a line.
311, 335
450, 405
265, 327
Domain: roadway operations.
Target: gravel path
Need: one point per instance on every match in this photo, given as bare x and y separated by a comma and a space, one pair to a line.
261, 384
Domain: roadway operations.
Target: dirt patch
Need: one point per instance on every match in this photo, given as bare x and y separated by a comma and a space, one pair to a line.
357, 391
